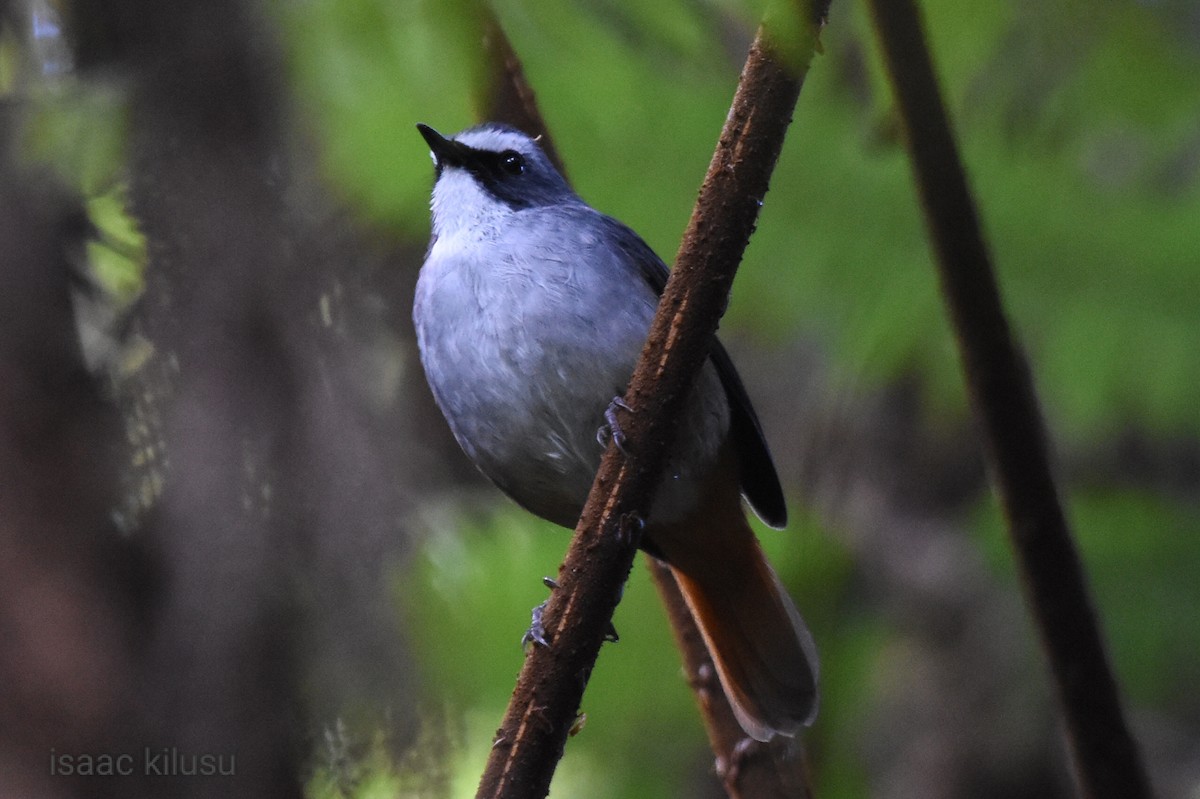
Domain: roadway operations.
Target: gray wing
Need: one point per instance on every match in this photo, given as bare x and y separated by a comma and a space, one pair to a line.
759, 481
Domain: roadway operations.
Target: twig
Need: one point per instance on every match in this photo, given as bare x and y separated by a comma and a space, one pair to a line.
1001, 389
507, 95
778, 768
531, 739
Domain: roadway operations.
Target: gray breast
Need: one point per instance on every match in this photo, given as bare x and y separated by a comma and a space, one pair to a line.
525, 349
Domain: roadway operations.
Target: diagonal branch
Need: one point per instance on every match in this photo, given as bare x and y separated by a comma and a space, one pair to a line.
746, 768
507, 96
1002, 392
548, 692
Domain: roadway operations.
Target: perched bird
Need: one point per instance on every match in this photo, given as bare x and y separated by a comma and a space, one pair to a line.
531, 311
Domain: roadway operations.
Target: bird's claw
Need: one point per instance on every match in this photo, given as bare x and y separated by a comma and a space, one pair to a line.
536, 634
611, 429
631, 527
729, 770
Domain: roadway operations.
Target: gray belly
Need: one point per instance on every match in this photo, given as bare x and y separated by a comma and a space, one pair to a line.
524, 379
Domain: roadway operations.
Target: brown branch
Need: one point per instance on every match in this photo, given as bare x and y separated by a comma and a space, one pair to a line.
507, 96
1001, 389
746, 768
531, 739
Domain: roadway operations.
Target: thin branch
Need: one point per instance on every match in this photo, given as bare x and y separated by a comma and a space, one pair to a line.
746, 768
507, 96
1001, 389
530, 741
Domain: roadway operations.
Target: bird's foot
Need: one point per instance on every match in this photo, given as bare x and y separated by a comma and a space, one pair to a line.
630, 528
742, 751
611, 429
536, 634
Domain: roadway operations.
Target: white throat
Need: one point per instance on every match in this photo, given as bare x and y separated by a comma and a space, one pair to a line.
461, 207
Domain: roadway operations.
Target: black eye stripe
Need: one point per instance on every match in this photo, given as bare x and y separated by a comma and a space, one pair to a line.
498, 173
498, 166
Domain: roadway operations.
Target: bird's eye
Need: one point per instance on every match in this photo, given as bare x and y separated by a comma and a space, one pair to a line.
512, 161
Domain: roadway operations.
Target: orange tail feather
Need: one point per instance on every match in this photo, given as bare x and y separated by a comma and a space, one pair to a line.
764, 653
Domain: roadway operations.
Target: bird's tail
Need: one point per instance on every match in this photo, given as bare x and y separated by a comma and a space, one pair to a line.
764, 653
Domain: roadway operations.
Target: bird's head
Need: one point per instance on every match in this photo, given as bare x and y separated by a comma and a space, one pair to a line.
486, 172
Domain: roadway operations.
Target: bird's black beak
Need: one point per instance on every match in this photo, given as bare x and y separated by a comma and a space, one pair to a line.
446, 152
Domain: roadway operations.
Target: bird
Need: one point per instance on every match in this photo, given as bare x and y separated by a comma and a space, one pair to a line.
531, 309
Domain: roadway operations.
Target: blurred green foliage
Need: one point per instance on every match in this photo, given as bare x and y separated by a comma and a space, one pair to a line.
1079, 124
470, 601
1143, 552
365, 73
1079, 127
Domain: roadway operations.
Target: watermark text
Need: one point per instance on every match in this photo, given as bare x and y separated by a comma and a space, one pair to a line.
149, 762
